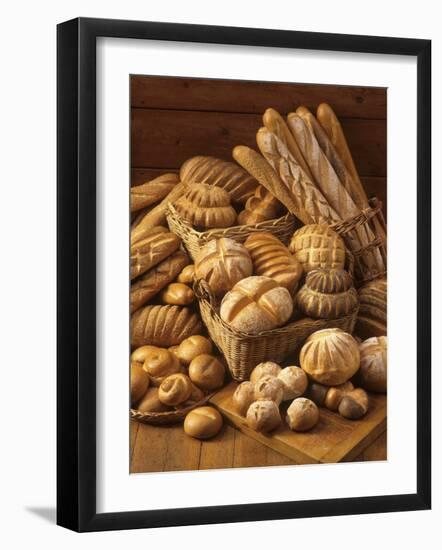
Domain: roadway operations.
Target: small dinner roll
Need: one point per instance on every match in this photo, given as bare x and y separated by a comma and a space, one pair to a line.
268, 367
177, 294
269, 388
175, 389
203, 422
302, 415
139, 355
263, 416
207, 372
150, 402
187, 274
294, 381
192, 347
139, 382
243, 397
160, 363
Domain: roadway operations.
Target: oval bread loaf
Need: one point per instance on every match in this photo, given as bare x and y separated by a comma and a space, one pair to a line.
152, 250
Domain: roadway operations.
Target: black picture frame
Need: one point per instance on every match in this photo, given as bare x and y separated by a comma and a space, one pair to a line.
76, 273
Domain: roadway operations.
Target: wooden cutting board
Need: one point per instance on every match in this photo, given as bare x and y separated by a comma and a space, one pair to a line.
333, 439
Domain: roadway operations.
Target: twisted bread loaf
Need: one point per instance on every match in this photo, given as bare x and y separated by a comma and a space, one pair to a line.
262, 206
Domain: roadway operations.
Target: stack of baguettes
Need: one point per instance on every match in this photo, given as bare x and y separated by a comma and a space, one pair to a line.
306, 163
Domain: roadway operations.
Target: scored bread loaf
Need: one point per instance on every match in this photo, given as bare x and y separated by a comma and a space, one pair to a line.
256, 304
260, 207
227, 175
222, 263
271, 258
372, 316
163, 326
206, 206
152, 191
150, 251
149, 284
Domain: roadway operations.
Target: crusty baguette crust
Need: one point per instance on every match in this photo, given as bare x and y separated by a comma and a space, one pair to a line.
149, 252
152, 191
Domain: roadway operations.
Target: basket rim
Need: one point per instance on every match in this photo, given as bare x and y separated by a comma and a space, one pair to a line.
135, 414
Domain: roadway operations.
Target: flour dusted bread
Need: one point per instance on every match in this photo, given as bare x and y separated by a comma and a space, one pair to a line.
317, 246
262, 369
263, 416
243, 397
163, 326
372, 316
222, 263
227, 175
372, 374
294, 382
269, 388
260, 207
271, 258
206, 206
302, 415
152, 250
256, 304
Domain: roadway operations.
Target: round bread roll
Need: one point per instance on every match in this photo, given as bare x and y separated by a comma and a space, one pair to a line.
269, 388
139, 382
330, 356
335, 395
354, 405
268, 367
372, 374
139, 355
294, 382
222, 263
196, 396
175, 389
256, 304
150, 402
192, 347
243, 397
203, 422
187, 274
174, 350
160, 363
318, 393
263, 416
207, 372
177, 294
302, 415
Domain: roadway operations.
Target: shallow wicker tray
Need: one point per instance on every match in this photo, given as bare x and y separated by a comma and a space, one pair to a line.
243, 352
194, 240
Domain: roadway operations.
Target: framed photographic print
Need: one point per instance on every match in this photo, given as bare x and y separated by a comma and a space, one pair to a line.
224, 271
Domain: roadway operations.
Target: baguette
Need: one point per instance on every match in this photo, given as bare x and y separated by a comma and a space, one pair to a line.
152, 282
152, 250
152, 191
163, 326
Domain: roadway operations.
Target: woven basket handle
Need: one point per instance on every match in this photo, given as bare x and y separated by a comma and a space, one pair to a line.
203, 291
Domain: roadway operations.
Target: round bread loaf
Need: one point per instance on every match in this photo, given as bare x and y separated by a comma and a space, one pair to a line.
206, 206
177, 294
243, 397
330, 356
294, 382
256, 304
372, 315
318, 247
203, 422
175, 389
150, 402
372, 374
263, 416
268, 367
302, 415
327, 294
192, 347
269, 388
222, 263
207, 372
139, 382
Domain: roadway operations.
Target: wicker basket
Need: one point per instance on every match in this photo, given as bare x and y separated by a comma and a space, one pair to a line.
194, 240
370, 261
243, 352
168, 417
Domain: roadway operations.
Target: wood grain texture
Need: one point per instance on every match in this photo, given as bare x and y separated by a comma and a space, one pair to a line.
254, 97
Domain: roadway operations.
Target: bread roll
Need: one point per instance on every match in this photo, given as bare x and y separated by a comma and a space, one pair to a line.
327, 294
139, 355
302, 415
269, 388
263, 416
207, 372
177, 294
262, 369
271, 258
372, 316
260, 207
256, 304
330, 356
227, 175
294, 382
192, 347
152, 191
163, 326
203, 422
187, 275
150, 402
335, 395
354, 405
243, 397
139, 382
149, 284
175, 389
152, 250
160, 363
206, 206
222, 263
372, 374
318, 247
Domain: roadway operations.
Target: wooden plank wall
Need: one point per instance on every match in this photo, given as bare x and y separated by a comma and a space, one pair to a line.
177, 118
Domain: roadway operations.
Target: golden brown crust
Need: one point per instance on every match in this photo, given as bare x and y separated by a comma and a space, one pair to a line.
207, 372
152, 250
175, 389
372, 374
192, 347
372, 316
263, 416
152, 191
203, 422
302, 415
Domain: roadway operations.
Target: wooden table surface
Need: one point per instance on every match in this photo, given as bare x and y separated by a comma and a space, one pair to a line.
167, 448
